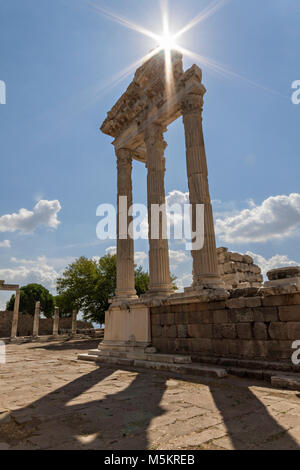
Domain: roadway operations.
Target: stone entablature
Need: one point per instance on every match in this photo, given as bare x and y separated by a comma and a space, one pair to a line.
147, 101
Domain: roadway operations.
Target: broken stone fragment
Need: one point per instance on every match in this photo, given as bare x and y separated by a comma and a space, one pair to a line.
284, 273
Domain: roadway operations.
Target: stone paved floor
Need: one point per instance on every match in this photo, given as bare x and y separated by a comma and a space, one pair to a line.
55, 402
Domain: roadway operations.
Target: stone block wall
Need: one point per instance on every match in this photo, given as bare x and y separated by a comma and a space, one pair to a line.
250, 326
25, 325
238, 271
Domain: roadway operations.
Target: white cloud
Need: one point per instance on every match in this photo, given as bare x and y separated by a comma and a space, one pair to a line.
5, 244
178, 257
177, 197
28, 271
276, 218
277, 261
111, 250
43, 213
140, 257
185, 280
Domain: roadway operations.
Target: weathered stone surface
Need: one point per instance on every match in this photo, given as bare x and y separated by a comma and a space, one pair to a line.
236, 303
260, 331
200, 331
290, 313
244, 330
278, 330
282, 381
201, 317
284, 273
293, 331
228, 331
265, 314
248, 259
220, 316
182, 331
201, 345
243, 315
281, 300
253, 302
171, 331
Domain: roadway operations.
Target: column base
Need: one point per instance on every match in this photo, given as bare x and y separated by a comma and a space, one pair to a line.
159, 290
206, 282
123, 295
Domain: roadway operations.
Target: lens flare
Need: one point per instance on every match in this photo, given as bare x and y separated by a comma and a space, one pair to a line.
168, 43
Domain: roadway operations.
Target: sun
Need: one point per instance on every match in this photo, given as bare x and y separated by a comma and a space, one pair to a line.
167, 42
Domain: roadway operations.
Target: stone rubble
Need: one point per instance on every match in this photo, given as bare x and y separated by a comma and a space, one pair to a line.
238, 271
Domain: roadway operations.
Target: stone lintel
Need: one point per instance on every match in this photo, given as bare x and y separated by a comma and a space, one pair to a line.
13, 287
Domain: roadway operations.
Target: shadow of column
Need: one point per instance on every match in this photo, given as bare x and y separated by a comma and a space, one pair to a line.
116, 421
249, 424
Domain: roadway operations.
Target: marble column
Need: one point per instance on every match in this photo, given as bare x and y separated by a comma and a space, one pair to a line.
74, 322
36, 319
160, 282
56, 321
14, 327
205, 262
125, 244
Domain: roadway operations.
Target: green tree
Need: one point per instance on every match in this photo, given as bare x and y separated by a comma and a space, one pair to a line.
31, 294
90, 283
65, 304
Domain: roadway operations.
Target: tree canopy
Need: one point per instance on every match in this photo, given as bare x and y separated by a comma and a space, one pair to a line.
31, 294
90, 283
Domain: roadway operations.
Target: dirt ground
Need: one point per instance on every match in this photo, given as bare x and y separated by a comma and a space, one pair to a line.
49, 400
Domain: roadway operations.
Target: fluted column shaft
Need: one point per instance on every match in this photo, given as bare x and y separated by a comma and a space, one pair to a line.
125, 243
160, 281
205, 262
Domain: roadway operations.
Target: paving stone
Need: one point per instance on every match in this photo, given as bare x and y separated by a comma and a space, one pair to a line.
82, 406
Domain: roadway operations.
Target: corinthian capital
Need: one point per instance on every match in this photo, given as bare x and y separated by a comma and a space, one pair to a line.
192, 104
154, 136
124, 157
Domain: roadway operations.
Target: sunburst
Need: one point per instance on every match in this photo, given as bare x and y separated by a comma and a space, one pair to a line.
168, 42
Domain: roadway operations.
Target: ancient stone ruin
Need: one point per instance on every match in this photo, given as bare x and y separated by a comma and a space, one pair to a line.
227, 316
238, 271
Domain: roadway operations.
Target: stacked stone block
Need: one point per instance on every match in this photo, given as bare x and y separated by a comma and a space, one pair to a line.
238, 270
248, 325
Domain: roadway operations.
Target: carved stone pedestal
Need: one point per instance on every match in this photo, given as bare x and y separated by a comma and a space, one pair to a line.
127, 326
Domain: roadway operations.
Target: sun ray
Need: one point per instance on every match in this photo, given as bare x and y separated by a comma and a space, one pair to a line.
123, 21
166, 44
119, 77
227, 73
208, 11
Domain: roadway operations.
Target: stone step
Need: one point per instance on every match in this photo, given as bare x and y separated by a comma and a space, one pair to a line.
226, 362
279, 380
138, 355
179, 368
290, 382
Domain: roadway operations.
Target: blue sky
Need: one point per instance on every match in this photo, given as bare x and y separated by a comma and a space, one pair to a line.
59, 58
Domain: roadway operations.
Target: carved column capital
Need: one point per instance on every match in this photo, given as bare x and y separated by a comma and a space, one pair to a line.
124, 156
154, 135
192, 104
